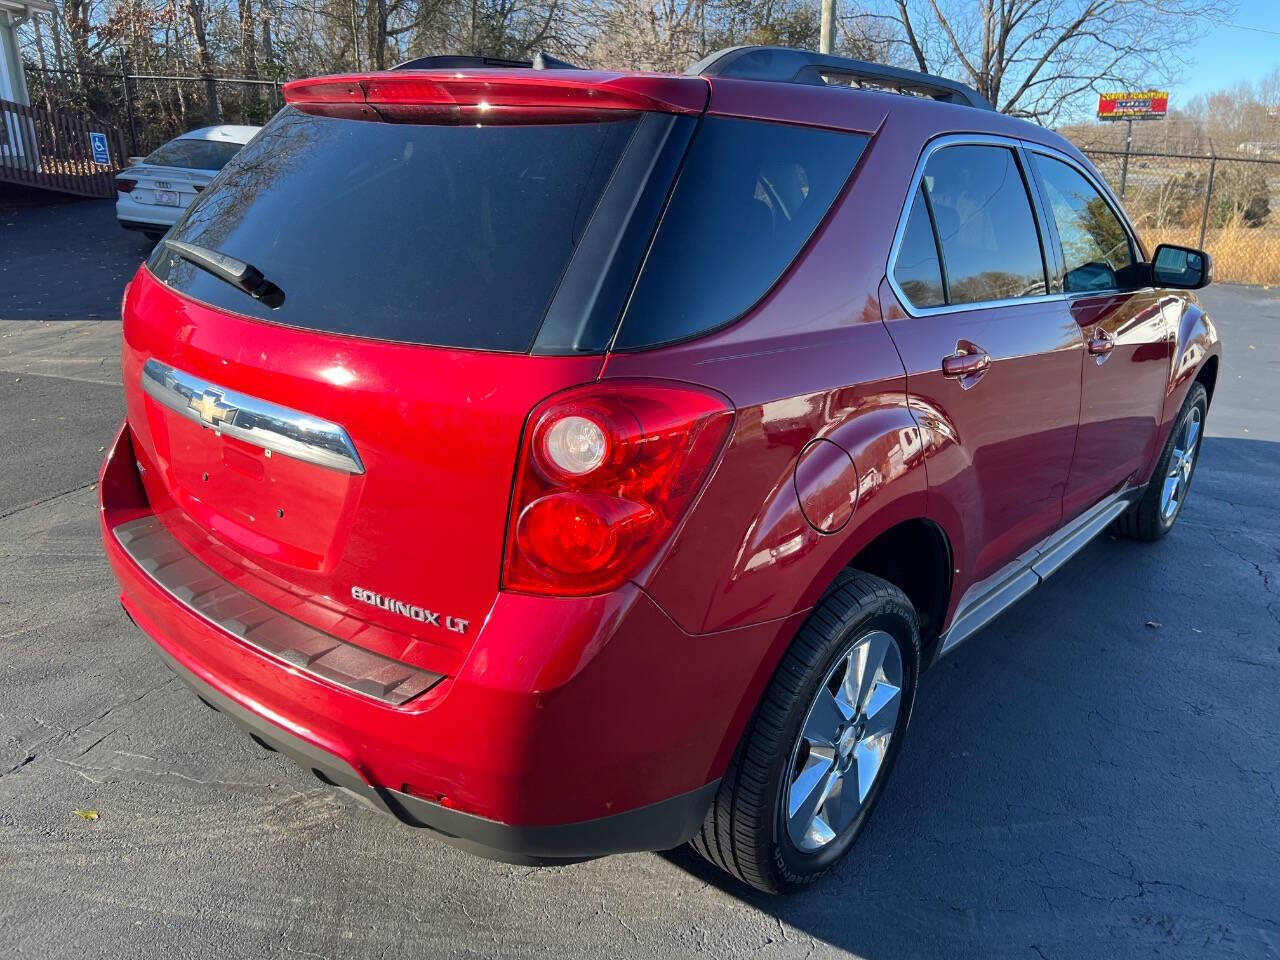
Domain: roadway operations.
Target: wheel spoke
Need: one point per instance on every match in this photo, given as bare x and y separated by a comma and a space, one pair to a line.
882, 710
841, 805
868, 756
807, 795
819, 833
825, 717
1193, 434
866, 661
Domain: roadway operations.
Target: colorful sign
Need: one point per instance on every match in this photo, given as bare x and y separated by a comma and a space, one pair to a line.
1133, 105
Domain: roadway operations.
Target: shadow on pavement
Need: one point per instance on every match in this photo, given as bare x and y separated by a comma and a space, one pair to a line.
1099, 766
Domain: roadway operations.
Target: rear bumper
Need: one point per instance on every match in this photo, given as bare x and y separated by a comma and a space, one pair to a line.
146, 216
143, 227
574, 729
657, 826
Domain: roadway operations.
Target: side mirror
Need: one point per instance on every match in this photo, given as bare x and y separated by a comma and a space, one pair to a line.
1184, 268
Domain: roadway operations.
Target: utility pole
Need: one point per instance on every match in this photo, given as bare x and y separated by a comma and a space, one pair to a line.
355, 34
828, 26
1128, 147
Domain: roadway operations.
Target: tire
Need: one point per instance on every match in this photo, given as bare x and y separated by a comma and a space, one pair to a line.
1154, 515
747, 830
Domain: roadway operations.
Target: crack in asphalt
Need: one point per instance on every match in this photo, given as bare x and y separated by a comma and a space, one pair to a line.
44, 747
13, 511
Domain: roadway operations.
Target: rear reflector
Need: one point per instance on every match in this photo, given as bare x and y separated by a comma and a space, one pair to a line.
490, 96
126, 186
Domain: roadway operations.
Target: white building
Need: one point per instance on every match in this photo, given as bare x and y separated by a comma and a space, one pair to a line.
13, 14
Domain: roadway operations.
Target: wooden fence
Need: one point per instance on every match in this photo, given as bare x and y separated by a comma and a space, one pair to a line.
54, 151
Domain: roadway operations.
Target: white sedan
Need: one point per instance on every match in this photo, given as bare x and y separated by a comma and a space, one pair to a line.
152, 194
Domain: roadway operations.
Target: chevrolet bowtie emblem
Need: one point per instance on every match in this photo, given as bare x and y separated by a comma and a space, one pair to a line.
210, 407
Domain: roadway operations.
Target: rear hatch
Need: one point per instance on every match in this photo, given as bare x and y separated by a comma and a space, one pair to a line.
438, 254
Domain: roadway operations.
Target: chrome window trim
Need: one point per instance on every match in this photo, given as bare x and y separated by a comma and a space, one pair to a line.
933, 146
266, 425
1113, 204
1018, 147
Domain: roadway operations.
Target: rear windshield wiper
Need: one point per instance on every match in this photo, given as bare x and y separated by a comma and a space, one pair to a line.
244, 276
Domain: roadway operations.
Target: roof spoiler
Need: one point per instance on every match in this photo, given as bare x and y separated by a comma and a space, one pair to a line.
494, 95
541, 62
787, 65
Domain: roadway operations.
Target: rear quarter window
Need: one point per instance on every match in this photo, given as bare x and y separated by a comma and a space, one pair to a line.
748, 199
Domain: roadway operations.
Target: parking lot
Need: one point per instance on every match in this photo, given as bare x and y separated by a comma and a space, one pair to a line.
1097, 774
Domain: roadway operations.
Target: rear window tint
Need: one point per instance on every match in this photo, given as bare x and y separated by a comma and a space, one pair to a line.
748, 199
196, 154
445, 235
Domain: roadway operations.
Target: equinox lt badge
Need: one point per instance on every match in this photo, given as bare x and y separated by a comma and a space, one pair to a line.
456, 624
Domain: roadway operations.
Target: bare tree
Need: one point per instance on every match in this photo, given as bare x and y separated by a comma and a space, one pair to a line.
1034, 58
195, 14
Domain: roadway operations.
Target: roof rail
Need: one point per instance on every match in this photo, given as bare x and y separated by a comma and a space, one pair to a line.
540, 62
786, 65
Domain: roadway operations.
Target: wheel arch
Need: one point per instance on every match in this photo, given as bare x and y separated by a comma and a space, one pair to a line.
1208, 374
915, 556
1196, 350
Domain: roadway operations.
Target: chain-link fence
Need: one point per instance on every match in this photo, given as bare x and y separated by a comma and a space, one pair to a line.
1229, 206
152, 108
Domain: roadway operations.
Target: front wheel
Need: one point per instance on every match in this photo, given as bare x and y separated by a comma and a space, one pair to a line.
1155, 514
815, 757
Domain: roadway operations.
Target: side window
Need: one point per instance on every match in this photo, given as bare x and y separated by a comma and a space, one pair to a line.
1095, 245
987, 231
749, 197
917, 270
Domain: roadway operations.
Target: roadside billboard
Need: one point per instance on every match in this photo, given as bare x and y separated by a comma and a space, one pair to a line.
1133, 105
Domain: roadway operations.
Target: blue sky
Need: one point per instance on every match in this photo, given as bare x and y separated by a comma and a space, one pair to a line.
1230, 53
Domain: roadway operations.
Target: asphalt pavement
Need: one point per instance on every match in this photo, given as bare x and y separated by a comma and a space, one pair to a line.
1096, 774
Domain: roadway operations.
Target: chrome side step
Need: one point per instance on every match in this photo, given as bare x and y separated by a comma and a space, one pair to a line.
986, 600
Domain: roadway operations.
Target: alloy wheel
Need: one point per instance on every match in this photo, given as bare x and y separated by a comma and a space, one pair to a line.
844, 741
1181, 463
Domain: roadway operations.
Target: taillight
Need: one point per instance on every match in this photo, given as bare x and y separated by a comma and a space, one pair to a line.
126, 186
606, 472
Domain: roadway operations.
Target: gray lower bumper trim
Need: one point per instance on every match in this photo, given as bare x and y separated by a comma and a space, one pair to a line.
658, 826
223, 604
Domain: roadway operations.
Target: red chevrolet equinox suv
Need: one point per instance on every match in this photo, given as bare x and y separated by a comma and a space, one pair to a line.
574, 462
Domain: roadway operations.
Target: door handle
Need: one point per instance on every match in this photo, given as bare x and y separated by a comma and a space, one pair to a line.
969, 360
1101, 344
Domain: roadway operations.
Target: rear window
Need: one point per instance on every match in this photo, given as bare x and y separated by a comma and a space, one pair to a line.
446, 235
196, 154
748, 199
